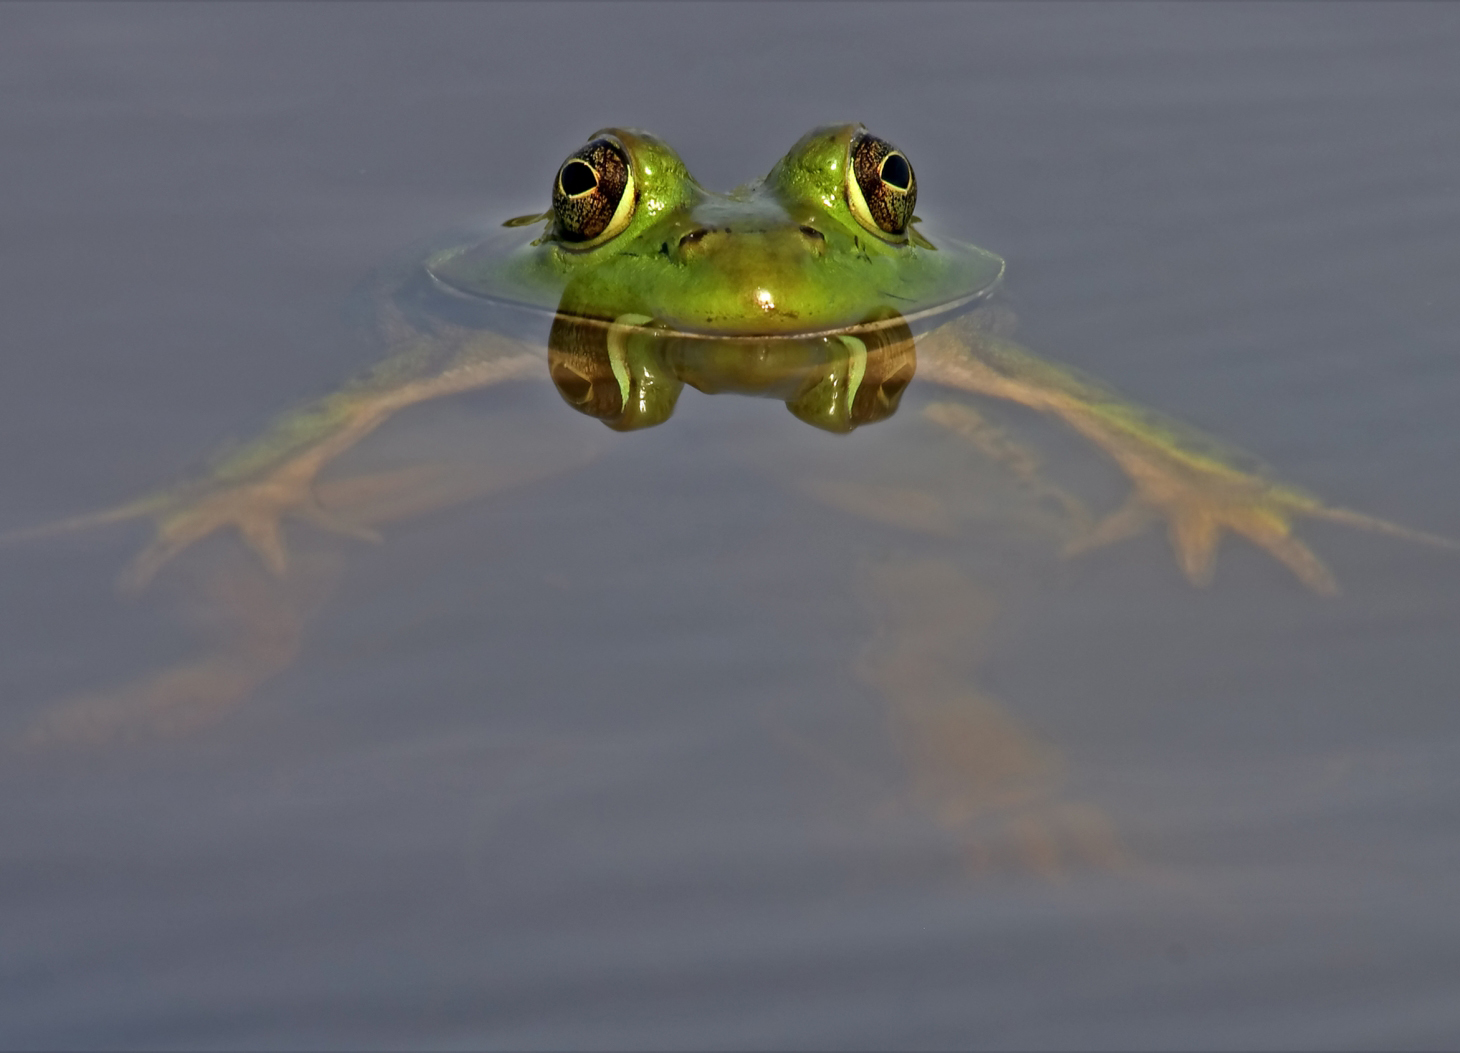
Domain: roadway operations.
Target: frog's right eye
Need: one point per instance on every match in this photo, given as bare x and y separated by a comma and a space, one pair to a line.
593, 194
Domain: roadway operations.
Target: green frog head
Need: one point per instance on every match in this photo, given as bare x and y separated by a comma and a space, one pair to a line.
825, 242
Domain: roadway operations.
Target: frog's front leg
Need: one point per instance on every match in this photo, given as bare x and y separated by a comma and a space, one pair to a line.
1200, 487
254, 488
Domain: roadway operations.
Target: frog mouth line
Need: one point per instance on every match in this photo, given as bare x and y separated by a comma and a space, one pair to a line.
956, 304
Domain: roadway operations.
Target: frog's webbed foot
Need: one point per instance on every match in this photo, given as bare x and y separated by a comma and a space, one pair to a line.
1051, 839
1195, 518
252, 626
1200, 487
1199, 499
188, 515
255, 509
999, 792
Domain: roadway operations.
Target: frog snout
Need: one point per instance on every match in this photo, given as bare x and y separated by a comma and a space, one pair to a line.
770, 242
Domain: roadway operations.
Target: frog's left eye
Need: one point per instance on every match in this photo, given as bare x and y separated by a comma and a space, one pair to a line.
593, 194
881, 187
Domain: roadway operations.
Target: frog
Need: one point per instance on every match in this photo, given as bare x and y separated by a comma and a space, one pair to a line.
817, 285
805, 285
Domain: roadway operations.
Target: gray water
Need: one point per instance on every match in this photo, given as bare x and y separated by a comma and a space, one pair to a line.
650, 740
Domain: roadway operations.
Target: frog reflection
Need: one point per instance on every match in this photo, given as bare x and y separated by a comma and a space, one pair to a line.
811, 285
631, 376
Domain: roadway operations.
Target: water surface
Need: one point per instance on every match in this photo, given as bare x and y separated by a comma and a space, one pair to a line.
653, 740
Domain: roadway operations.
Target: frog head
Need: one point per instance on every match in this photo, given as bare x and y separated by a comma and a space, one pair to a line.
824, 242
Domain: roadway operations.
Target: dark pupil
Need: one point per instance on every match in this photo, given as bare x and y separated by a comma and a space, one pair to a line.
895, 171
578, 178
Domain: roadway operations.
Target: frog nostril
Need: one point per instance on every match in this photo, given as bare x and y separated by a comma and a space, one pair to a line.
812, 233
693, 237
